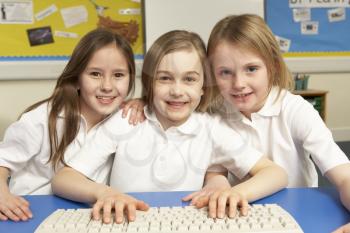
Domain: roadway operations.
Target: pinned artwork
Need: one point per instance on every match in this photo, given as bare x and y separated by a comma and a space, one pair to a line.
16, 12
336, 15
309, 28
301, 14
128, 29
40, 36
284, 43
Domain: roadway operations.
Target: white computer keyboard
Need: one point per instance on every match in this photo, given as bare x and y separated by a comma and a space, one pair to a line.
269, 218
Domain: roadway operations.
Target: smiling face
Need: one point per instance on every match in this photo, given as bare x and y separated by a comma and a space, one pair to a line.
103, 84
177, 87
241, 76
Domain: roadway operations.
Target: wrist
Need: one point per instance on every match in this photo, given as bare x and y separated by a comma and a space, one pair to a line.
4, 188
239, 192
103, 191
218, 181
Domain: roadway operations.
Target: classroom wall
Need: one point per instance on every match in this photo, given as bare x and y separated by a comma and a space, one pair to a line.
338, 99
17, 95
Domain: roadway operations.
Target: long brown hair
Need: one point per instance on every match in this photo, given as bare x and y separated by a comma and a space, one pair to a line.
65, 97
167, 43
250, 32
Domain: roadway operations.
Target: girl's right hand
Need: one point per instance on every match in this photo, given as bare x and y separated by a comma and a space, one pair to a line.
121, 203
13, 207
136, 107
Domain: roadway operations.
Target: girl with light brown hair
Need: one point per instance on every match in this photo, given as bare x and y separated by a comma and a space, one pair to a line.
254, 96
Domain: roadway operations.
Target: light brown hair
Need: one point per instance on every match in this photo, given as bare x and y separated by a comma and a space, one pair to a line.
65, 97
170, 42
250, 32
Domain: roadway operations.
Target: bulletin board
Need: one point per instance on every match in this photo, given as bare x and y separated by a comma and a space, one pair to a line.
24, 40
326, 51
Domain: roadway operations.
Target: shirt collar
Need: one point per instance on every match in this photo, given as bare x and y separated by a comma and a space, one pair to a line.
272, 107
190, 127
273, 103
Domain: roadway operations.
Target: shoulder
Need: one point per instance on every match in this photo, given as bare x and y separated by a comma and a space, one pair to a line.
299, 114
296, 106
116, 125
31, 125
291, 100
37, 115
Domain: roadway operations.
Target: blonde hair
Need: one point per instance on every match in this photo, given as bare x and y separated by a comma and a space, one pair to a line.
65, 97
250, 32
168, 43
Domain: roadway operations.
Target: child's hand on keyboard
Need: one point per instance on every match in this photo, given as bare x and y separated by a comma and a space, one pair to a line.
218, 195
201, 197
227, 202
14, 207
121, 203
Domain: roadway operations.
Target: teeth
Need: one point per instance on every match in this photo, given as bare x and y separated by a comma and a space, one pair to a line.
176, 103
104, 97
241, 95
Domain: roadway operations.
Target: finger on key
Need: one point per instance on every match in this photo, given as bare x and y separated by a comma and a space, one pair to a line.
96, 210
131, 208
202, 201
232, 207
119, 211
244, 207
222, 202
213, 205
107, 210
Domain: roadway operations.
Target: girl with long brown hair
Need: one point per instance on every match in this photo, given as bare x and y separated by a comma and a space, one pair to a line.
96, 80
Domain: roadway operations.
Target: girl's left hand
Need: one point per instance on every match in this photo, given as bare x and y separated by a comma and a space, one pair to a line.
343, 229
215, 183
136, 107
229, 198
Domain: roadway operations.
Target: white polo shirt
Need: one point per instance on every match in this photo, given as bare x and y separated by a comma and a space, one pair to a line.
147, 158
25, 151
289, 130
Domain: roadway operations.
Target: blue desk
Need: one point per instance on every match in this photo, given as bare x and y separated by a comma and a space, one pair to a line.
316, 210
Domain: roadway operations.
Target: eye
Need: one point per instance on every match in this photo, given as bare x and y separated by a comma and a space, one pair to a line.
164, 78
190, 79
119, 75
225, 73
95, 74
252, 69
